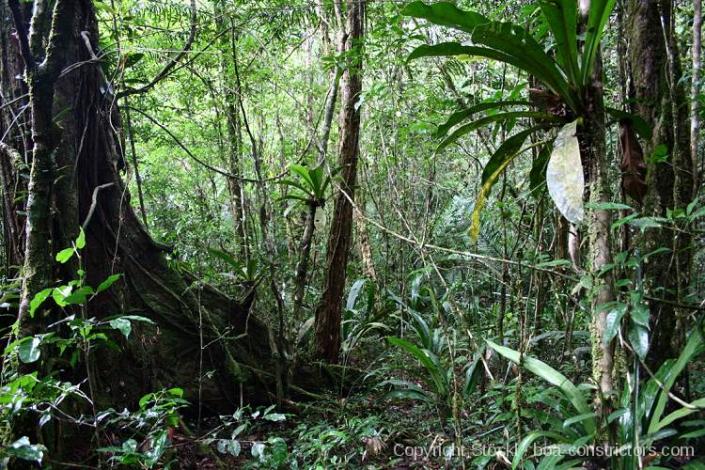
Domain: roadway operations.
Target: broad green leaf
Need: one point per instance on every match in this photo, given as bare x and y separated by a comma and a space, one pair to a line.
59, 294
472, 375
138, 318
451, 49
275, 417
577, 419
695, 406
422, 329
408, 394
564, 174
526, 54
427, 359
64, 255
526, 443
229, 446
257, 451
640, 314
554, 263
509, 54
612, 322
508, 149
354, 293
639, 339
175, 391
693, 434
445, 14
109, 281
305, 175
537, 175
38, 300
24, 450
81, 240
693, 347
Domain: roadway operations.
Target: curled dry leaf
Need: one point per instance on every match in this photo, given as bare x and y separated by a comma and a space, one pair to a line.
633, 166
374, 445
564, 174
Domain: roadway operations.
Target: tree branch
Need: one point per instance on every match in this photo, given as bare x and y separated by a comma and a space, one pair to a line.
22, 34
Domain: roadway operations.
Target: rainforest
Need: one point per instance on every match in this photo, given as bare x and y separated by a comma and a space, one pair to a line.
352, 234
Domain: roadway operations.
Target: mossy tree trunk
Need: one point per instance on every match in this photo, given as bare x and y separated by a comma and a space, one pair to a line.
660, 99
77, 160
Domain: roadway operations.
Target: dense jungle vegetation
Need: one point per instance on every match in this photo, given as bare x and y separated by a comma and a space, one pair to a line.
352, 234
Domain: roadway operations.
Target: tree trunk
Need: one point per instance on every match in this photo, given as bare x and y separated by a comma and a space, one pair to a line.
591, 136
363, 241
305, 255
92, 193
14, 169
328, 313
695, 91
660, 100
231, 95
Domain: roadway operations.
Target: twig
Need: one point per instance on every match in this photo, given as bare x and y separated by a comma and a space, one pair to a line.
94, 203
22, 34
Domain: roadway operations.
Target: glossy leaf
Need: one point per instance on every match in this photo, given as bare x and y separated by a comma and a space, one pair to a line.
64, 255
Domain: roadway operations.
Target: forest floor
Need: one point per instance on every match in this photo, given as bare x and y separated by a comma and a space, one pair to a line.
368, 429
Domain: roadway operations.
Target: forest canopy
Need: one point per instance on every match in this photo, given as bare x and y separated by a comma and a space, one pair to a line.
352, 234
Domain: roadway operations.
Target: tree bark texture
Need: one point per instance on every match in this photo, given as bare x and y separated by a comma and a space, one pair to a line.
76, 134
328, 313
661, 100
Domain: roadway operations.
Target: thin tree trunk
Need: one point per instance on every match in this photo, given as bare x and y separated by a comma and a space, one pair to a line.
592, 135
302, 266
328, 313
363, 241
231, 94
695, 90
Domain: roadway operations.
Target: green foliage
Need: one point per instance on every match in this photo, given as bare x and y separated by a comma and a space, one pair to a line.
157, 413
639, 420
311, 184
323, 446
567, 77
